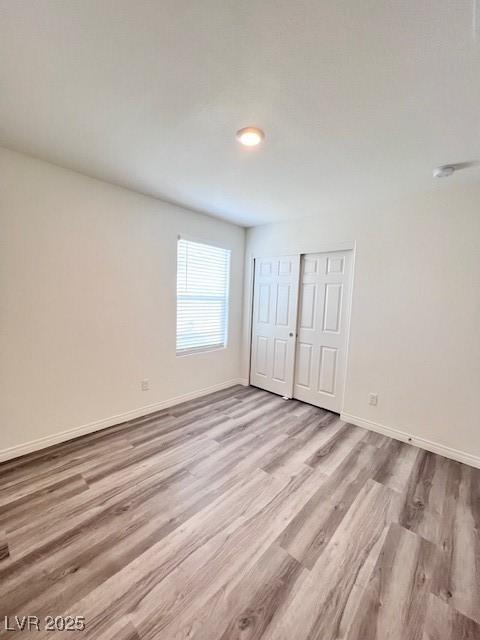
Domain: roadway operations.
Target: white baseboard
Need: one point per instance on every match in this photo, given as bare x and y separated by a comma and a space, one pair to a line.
63, 436
423, 443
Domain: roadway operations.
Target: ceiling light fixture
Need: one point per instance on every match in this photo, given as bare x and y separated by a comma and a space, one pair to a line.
250, 136
444, 172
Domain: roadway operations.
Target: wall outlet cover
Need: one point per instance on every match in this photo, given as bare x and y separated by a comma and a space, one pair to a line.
373, 399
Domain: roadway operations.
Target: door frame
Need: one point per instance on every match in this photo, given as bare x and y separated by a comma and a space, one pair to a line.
318, 247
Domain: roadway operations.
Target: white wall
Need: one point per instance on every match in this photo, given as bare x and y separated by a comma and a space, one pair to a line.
415, 327
87, 301
87, 305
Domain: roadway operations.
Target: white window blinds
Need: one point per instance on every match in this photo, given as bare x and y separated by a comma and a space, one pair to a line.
202, 296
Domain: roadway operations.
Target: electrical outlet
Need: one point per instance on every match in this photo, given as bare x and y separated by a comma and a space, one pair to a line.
145, 385
373, 399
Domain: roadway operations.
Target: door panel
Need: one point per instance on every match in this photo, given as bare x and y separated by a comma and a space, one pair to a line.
310, 265
335, 264
261, 366
333, 306
304, 365
283, 311
285, 266
275, 302
264, 303
307, 309
322, 329
327, 368
280, 353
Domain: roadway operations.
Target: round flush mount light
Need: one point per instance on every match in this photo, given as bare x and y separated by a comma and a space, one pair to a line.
444, 172
250, 136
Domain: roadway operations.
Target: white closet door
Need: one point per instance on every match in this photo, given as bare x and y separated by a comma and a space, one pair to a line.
275, 302
322, 329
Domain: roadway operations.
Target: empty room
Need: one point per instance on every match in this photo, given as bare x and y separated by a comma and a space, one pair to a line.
240, 319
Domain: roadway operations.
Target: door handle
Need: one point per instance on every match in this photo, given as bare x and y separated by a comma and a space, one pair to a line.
290, 334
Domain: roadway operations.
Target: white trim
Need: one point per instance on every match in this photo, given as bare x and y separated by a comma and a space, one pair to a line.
348, 315
98, 425
192, 352
417, 441
251, 285
201, 240
315, 247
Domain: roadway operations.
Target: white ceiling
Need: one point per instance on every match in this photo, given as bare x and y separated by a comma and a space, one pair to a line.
359, 99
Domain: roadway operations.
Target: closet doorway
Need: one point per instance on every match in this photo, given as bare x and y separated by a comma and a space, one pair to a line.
300, 323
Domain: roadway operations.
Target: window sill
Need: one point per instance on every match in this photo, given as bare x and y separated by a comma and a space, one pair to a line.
193, 352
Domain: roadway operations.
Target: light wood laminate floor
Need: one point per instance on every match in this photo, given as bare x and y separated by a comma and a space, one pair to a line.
242, 516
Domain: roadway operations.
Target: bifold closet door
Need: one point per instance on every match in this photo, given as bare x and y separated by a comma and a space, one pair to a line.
274, 321
322, 329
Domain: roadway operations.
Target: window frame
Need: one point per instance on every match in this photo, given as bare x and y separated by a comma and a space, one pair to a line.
226, 298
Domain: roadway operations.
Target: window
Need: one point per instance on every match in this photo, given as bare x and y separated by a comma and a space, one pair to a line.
202, 296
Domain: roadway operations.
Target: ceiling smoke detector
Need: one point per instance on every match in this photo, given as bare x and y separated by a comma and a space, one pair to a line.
444, 172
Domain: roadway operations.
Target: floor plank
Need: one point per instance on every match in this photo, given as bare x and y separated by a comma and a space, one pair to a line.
317, 610
457, 579
311, 529
445, 623
396, 597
